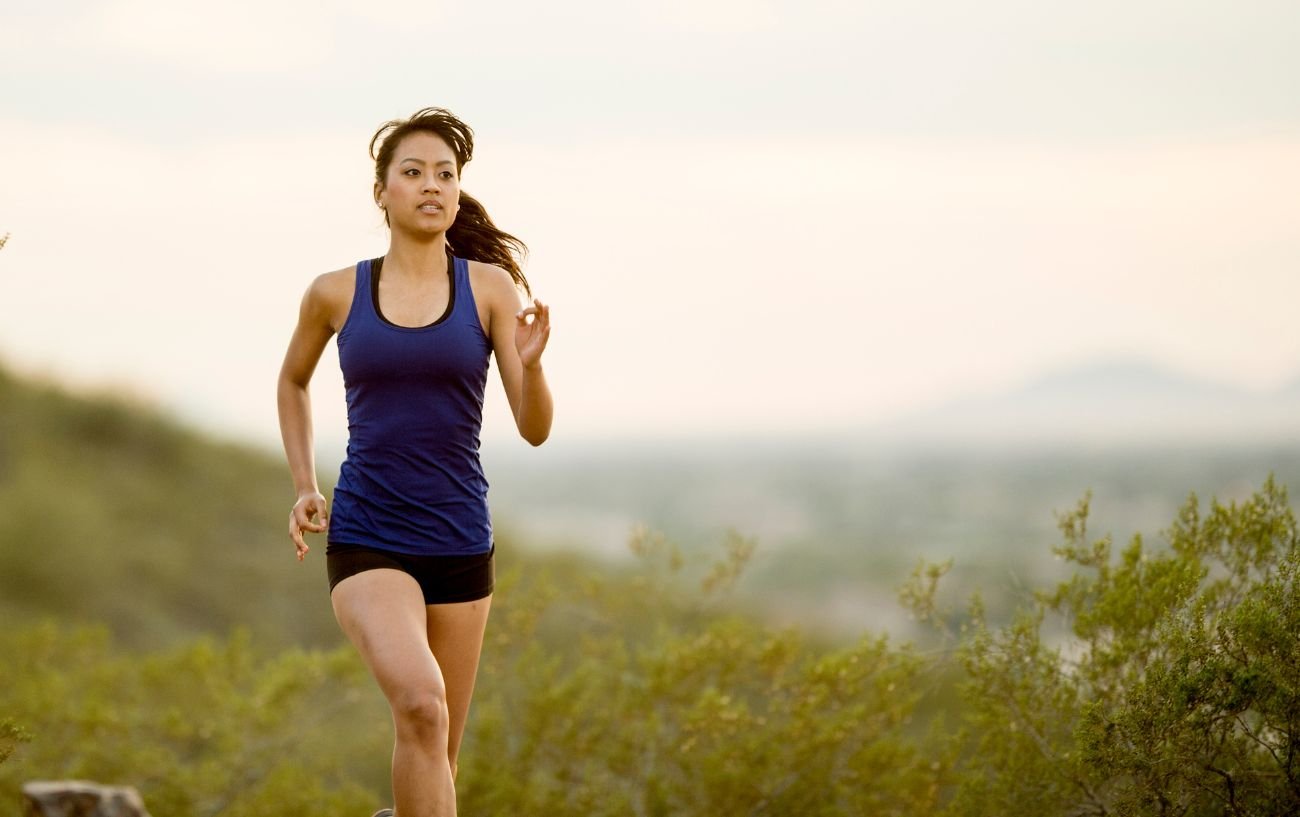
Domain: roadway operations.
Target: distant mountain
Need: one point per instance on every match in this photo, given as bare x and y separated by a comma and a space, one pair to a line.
1109, 402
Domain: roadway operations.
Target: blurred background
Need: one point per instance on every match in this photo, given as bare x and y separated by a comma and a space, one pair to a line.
859, 283
863, 281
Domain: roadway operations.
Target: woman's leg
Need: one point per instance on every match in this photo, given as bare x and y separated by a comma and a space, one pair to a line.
456, 639
382, 612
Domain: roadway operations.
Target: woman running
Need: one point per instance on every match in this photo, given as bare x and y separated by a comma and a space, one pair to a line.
409, 546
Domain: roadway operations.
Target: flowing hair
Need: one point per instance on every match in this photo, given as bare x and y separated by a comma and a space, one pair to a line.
472, 234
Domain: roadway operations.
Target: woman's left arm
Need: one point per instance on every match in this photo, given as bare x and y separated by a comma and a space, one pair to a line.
518, 343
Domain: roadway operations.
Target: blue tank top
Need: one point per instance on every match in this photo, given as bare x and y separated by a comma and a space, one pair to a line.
412, 481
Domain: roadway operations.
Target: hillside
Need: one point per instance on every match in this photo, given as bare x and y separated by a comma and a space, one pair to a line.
110, 512
603, 693
113, 513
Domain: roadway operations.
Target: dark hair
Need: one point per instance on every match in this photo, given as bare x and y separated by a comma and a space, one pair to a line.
472, 235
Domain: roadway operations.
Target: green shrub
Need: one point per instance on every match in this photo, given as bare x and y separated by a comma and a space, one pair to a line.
1170, 687
1154, 681
657, 702
207, 728
11, 734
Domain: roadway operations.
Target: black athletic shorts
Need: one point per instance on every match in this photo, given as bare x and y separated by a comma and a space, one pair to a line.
444, 579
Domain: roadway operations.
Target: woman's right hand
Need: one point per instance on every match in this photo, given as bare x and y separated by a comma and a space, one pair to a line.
308, 515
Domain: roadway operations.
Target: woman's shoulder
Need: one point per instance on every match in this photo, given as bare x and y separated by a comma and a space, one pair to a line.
329, 296
493, 281
335, 284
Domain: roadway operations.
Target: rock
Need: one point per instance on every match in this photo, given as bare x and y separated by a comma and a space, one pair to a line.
79, 798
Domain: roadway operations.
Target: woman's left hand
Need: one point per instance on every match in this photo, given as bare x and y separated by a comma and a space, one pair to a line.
531, 337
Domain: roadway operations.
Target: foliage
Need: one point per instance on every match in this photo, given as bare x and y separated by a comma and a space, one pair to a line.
203, 729
1173, 689
11, 734
701, 712
592, 700
1153, 681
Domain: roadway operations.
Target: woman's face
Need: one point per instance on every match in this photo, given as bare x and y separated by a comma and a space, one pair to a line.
421, 190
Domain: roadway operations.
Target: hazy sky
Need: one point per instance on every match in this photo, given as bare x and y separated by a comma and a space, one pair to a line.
763, 216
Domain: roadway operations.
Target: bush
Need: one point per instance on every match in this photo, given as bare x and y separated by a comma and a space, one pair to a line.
1155, 681
606, 699
1172, 687
203, 729
11, 734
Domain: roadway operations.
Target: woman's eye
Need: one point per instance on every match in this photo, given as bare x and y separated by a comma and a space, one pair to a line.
410, 171
446, 174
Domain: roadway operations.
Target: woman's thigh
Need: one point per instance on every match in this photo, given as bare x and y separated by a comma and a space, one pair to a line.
382, 612
455, 635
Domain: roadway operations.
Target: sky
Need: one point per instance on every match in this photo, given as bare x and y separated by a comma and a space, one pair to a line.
753, 218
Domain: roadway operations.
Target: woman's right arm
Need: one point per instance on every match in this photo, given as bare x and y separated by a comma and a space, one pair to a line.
314, 329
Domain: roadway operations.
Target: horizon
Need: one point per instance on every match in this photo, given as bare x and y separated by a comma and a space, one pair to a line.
978, 422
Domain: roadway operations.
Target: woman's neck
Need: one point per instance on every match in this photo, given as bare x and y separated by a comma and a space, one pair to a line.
416, 258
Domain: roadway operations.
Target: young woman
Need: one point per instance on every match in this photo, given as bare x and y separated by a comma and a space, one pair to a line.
409, 545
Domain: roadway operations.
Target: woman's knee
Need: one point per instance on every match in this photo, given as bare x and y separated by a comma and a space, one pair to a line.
421, 712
